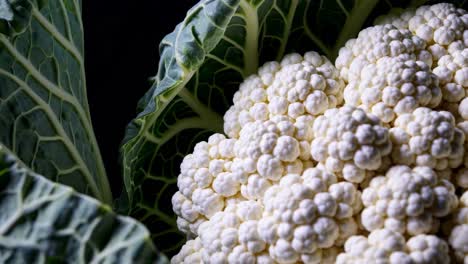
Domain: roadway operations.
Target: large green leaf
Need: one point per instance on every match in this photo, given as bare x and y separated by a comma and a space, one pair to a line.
219, 43
44, 115
45, 222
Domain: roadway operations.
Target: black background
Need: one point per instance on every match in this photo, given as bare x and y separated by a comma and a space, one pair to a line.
121, 54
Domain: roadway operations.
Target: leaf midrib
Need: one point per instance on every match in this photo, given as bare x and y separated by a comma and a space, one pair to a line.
84, 115
59, 129
251, 38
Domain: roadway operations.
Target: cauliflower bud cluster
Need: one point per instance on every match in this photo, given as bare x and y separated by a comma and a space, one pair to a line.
361, 161
408, 201
427, 137
350, 142
459, 234
386, 246
297, 87
305, 215
444, 28
393, 86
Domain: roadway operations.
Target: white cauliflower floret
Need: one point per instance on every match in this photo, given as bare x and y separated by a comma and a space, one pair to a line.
408, 201
439, 25
386, 246
296, 86
459, 235
427, 138
255, 187
461, 109
444, 27
269, 150
231, 236
190, 253
452, 72
393, 86
377, 42
205, 181
428, 249
461, 178
223, 168
460, 175
350, 142
305, 214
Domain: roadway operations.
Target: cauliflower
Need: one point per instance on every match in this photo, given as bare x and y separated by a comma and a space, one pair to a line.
452, 72
205, 181
459, 235
269, 150
460, 175
378, 42
386, 246
231, 235
461, 178
444, 28
297, 87
350, 142
407, 200
190, 253
394, 86
427, 138
305, 214
356, 162
221, 168
439, 25
460, 110
304, 217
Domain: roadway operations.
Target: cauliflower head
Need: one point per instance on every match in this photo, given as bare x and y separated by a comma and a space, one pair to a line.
360, 161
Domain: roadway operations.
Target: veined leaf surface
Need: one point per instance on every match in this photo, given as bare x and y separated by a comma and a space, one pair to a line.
45, 222
220, 43
44, 114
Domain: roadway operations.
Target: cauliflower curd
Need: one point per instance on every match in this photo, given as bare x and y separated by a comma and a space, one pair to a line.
385, 246
408, 201
459, 234
394, 86
360, 161
297, 87
427, 138
350, 142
